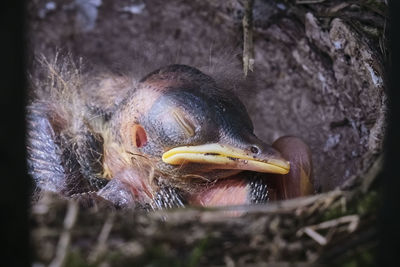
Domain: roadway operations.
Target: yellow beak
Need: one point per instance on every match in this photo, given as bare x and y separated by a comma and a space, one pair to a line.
225, 157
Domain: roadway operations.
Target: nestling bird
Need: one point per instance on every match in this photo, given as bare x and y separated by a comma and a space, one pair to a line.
175, 137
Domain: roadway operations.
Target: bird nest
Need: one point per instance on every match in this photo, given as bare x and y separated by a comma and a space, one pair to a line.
318, 74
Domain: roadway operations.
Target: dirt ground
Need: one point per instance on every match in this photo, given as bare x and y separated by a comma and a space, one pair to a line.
317, 79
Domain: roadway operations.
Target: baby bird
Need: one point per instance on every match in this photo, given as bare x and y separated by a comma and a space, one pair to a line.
173, 138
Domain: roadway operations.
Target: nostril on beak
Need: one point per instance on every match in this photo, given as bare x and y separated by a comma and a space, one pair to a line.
254, 149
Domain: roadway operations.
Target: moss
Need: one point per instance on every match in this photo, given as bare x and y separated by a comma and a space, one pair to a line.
363, 205
75, 259
160, 255
365, 257
333, 213
368, 203
197, 253
156, 256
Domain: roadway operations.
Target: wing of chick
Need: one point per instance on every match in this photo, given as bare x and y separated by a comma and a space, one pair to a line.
64, 149
59, 161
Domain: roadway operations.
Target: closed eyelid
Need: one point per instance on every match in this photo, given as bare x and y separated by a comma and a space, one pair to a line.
185, 124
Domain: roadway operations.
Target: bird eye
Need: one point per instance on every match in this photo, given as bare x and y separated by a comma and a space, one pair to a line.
254, 149
186, 125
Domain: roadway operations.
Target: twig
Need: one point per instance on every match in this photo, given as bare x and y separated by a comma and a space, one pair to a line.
65, 238
372, 174
290, 206
337, 8
353, 221
248, 47
322, 202
101, 241
315, 236
310, 230
336, 252
300, 2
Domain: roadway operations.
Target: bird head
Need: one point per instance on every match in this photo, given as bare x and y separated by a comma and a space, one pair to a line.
189, 128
